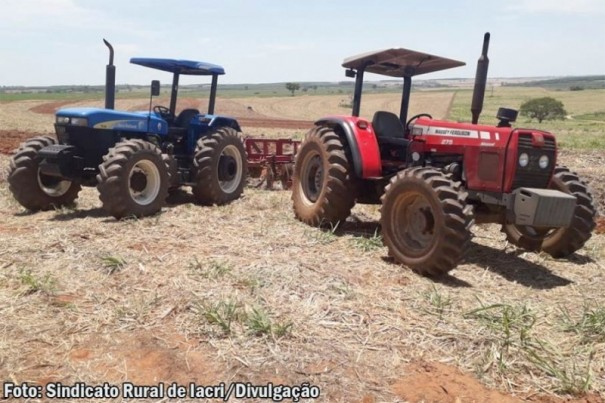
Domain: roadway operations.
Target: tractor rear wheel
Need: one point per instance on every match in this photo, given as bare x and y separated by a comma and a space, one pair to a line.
559, 242
322, 187
32, 189
133, 179
220, 167
425, 221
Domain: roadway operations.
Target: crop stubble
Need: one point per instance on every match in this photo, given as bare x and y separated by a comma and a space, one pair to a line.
361, 327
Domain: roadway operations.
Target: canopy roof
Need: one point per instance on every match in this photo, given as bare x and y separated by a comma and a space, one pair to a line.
399, 62
188, 67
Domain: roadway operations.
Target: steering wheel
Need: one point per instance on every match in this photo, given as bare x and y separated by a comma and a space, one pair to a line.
420, 115
162, 111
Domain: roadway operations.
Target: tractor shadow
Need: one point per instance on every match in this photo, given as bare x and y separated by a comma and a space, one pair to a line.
508, 265
365, 229
179, 197
174, 199
68, 213
77, 214
514, 268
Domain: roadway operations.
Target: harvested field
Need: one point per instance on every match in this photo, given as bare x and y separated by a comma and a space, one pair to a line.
279, 112
245, 292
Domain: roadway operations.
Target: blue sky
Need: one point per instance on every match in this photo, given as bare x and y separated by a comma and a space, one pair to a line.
55, 42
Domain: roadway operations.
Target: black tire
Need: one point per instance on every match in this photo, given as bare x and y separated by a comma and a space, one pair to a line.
133, 179
322, 186
33, 190
564, 241
425, 221
220, 167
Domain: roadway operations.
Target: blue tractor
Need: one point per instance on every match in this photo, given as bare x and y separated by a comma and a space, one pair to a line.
134, 158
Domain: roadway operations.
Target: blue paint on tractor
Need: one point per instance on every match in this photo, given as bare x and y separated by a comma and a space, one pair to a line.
91, 132
188, 67
98, 118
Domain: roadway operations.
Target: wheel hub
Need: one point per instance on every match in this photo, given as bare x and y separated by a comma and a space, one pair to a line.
144, 182
230, 169
415, 223
49, 181
138, 181
312, 178
422, 221
227, 168
53, 186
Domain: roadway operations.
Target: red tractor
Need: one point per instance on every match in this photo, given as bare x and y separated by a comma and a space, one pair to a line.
435, 178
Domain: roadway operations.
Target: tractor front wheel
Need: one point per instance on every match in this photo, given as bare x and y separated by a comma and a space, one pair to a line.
220, 167
322, 187
133, 179
32, 189
425, 221
559, 242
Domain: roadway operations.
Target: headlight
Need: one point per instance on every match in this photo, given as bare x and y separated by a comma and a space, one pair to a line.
543, 161
79, 121
62, 120
523, 159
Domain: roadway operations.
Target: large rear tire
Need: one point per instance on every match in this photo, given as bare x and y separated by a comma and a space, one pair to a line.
559, 242
425, 221
133, 179
33, 190
220, 167
322, 187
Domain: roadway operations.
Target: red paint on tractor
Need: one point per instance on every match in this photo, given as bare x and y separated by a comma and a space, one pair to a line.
368, 146
365, 138
482, 146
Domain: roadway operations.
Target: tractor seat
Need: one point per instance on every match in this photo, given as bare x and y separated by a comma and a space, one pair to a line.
184, 118
389, 129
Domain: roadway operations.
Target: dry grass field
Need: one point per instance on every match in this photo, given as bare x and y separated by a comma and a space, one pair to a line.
245, 292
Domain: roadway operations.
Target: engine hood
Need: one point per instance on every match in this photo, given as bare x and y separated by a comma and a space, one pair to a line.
110, 119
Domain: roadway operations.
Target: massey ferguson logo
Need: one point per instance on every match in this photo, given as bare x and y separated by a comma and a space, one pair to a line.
449, 132
452, 132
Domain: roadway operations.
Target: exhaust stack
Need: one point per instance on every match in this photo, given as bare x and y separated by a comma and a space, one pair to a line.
110, 80
480, 81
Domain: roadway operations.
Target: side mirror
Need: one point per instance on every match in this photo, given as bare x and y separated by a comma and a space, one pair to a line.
155, 88
350, 73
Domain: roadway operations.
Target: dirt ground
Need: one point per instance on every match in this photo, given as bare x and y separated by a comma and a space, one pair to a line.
245, 292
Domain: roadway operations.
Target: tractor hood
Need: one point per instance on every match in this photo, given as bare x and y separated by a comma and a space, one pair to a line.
109, 119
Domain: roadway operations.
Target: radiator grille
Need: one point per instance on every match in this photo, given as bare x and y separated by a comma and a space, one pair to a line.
532, 176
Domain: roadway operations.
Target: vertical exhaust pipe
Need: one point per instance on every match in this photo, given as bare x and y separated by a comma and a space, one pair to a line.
480, 81
110, 80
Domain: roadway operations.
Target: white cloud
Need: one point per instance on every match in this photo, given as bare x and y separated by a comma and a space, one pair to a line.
558, 6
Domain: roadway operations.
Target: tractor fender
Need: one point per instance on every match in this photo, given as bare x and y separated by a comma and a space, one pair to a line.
361, 140
222, 121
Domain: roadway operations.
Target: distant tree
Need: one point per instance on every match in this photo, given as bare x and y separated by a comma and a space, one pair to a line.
292, 87
576, 88
545, 108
